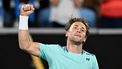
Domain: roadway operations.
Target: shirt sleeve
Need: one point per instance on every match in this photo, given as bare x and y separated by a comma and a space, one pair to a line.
47, 51
95, 63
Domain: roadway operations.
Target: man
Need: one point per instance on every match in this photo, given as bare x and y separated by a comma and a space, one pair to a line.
110, 12
59, 12
71, 56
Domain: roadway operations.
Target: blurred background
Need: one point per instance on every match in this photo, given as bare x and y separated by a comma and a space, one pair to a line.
47, 26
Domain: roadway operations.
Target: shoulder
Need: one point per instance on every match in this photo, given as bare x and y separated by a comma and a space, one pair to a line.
49, 46
88, 54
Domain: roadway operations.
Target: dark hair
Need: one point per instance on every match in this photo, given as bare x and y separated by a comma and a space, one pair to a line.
73, 20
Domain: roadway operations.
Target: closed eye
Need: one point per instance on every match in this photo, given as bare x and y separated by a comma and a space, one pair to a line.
82, 29
75, 27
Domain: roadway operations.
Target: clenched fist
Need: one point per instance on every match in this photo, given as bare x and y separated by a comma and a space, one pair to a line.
26, 10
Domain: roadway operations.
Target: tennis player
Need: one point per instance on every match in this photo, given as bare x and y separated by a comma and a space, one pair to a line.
71, 56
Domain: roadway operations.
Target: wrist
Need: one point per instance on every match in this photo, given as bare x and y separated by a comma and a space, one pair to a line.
23, 22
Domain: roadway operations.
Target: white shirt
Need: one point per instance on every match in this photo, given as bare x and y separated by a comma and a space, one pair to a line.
64, 11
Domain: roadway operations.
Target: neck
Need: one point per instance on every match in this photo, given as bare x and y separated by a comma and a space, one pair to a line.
74, 48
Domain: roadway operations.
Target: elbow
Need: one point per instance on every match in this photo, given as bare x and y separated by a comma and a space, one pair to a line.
23, 46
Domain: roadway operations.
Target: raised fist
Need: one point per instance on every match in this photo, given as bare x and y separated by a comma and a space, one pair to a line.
26, 9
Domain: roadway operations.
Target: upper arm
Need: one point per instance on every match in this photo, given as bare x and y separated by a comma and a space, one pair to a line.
47, 51
34, 48
44, 51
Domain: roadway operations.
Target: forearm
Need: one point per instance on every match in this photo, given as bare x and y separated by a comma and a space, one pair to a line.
24, 40
23, 33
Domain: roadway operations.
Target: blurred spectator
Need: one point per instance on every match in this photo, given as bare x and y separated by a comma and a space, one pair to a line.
49, 13
88, 11
111, 14
43, 13
89, 15
1, 14
43, 18
44, 3
59, 12
91, 4
8, 17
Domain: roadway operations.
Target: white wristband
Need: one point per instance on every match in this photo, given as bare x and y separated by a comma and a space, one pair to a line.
23, 22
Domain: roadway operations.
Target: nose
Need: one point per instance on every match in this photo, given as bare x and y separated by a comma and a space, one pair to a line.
78, 30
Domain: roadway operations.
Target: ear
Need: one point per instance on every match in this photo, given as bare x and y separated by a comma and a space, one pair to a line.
85, 39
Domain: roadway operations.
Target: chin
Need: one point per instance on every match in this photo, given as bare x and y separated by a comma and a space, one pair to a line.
77, 40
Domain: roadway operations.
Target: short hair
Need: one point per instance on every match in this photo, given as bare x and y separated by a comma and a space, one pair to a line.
73, 20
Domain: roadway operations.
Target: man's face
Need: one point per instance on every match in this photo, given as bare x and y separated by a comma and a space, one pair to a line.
77, 32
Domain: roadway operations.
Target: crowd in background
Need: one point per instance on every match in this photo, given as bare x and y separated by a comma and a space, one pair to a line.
56, 13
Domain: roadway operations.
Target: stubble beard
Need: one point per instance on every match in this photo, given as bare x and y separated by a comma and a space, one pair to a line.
74, 42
